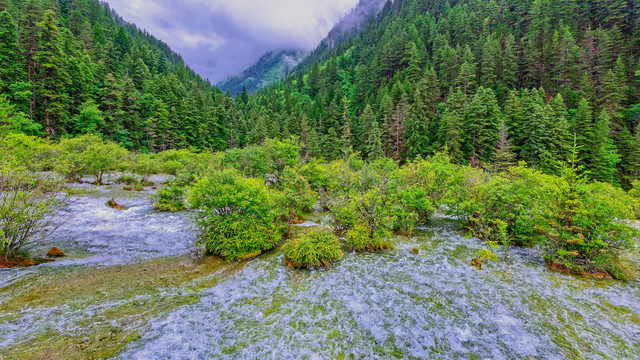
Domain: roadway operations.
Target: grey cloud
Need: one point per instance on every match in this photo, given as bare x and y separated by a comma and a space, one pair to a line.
219, 38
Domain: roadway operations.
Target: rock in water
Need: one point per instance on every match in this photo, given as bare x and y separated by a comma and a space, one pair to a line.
55, 252
477, 263
114, 205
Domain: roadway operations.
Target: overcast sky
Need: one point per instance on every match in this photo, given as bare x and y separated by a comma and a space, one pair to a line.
219, 38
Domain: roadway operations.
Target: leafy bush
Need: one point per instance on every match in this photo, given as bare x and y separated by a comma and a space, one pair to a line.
171, 196
635, 194
29, 205
272, 157
423, 185
29, 152
360, 238
583, 226
145, 165
485, 201
293, 197
236, 217
362, 195
174, 162
88, 155
314, 248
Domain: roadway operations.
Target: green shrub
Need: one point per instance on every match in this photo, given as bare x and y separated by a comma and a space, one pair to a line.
583, 226
360, 238
127, 180
423, 185
314, 248
362, 196
29, 205
483, 201
236, 216
271, 157
635, 194
293, 196
88, 155
172, 195
29, 152
145, 165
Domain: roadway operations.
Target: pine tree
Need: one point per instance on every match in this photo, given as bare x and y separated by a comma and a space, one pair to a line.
482, 125
397, 130
490, 52
467, 74
10, 55
417, 131
582, 128
604, 154
504, 157
52, 78
314, 80
121, 43
509, 65
373, 145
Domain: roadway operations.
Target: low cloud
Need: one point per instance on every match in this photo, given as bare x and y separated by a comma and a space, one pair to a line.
219, 38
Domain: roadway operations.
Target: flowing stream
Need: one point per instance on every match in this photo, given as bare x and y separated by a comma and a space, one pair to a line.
133, 288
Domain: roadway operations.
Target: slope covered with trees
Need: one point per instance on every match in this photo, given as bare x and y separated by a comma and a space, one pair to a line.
488, 82
270, 68
71, 67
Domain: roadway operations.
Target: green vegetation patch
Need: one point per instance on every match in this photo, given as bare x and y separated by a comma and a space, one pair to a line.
317, 247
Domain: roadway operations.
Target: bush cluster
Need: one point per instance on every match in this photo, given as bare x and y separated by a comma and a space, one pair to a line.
317, 247
246, 200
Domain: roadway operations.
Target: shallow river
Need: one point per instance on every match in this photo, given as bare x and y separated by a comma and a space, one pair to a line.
132, 288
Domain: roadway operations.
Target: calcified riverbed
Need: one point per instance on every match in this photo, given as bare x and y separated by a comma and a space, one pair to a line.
131, 288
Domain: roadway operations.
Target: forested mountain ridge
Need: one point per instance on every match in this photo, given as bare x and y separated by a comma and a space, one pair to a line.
71, 67
270, 68
489, 83
347, 28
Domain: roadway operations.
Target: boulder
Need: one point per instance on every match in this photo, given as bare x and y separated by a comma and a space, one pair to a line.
55, 252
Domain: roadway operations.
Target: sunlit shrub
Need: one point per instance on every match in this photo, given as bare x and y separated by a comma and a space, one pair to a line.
314, 248
483, 201
88, 155
29, 152
423, 185
145, 165
635, 195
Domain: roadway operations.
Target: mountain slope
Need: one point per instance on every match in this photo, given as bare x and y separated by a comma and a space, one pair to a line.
73, 67
488, 83
269, 69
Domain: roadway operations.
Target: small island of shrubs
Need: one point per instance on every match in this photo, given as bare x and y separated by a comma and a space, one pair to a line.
246, 200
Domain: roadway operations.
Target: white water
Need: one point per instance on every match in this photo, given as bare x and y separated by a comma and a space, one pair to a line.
401, 305
372, 305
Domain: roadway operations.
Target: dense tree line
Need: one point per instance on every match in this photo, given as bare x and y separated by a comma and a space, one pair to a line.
71, 67
489, 83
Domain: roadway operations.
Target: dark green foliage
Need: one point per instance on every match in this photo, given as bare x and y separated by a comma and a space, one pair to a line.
87, 71
313, 248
